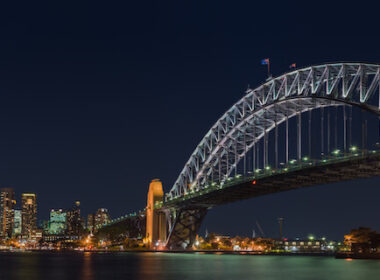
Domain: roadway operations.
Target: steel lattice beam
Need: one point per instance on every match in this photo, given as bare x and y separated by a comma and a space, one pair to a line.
280, 98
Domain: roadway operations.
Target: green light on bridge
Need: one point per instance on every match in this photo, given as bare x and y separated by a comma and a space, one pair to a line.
353, 148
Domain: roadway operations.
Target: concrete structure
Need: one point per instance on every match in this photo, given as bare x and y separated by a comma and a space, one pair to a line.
29, 213
155, 220
57, 222
7, 202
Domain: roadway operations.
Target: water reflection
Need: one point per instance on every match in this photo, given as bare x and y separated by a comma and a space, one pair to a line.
87, 269
159, 266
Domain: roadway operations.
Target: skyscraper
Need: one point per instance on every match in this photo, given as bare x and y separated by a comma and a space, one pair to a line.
102, 217
17, 223
74, 221
90, 222
57, 222
29, 213
6, 212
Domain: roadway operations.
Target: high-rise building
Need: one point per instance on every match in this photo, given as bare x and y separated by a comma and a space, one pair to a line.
57, 222
90, 222
29, 213
74, 221
17, 225
102, 217
7, 202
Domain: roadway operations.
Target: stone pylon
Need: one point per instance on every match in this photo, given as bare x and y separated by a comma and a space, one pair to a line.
155, 219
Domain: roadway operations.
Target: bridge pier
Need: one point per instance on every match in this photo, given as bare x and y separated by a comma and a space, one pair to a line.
155, 219
184, 228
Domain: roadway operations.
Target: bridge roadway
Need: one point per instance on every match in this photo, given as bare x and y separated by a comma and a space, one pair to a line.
191, 208
296, 175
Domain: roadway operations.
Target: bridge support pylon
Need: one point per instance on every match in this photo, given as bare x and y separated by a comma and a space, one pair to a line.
155, 219
184, 228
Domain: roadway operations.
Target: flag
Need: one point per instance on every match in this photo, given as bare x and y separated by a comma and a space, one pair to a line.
265, 61
292, 66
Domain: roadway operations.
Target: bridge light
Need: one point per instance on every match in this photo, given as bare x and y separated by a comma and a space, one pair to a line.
305, 159
336, 152
353, 148
257, 170
267, 167
293, 161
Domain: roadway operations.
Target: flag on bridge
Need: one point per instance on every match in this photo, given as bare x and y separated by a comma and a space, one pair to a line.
265, 61
292, 66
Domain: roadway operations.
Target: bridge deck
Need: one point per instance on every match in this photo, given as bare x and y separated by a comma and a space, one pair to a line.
309, 174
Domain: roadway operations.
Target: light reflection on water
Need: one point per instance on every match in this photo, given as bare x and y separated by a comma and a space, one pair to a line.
160, 266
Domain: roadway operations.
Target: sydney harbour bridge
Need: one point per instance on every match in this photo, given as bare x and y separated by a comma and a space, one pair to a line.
311, 126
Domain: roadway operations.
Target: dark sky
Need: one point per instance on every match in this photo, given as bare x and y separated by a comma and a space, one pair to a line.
97, 99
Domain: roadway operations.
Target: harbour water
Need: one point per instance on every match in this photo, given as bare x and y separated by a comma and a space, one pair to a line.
165, 266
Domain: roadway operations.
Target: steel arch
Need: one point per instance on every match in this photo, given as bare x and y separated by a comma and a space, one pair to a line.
246, 122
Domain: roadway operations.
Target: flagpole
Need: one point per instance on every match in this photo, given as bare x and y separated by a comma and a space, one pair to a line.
268, 68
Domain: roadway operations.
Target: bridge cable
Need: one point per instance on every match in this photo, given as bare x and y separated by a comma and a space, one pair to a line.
344, 129
254, 149
244, 159
276, 141
299, 144
287, 139
336, 129
322, 130
236, 156
328, 131
309, 134
350, 127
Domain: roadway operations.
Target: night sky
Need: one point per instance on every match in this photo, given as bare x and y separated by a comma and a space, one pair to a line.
97, 99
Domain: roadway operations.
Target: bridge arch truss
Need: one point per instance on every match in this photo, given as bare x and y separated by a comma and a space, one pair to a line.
262, 109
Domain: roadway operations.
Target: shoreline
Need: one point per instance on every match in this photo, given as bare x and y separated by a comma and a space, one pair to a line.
209, 252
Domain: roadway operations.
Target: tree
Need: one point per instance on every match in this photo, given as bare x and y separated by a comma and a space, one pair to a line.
363, 240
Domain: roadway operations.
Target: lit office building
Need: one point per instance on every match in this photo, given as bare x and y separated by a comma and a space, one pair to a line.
17, 225
73, 220
29, 213
90, 222
7, 202
57, 222
102, 217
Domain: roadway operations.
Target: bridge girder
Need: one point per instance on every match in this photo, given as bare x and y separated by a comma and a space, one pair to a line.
261, 109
